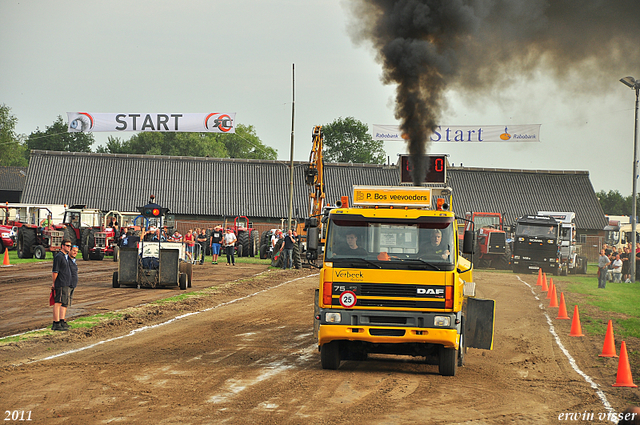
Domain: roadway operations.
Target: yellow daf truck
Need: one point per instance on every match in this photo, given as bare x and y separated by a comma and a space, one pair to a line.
393, 280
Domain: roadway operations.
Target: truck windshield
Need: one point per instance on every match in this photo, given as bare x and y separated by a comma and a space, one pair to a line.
427, 243
487, 221
536, 231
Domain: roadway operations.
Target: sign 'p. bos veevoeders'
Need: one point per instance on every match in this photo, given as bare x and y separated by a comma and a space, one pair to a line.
171, 122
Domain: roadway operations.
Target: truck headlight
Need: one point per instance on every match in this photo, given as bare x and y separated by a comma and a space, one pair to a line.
516, 257
333, 317
442, 321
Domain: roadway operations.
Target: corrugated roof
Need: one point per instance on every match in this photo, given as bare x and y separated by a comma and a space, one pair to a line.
13, 178
260, 188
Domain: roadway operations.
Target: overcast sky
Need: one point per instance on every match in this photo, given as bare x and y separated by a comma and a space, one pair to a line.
197, 56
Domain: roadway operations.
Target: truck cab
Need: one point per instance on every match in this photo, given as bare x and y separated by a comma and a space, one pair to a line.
536, 244
393, 281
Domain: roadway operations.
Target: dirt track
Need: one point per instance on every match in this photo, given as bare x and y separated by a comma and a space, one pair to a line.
249, 357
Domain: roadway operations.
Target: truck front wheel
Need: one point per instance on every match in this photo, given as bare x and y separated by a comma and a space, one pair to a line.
448, 362
330, 355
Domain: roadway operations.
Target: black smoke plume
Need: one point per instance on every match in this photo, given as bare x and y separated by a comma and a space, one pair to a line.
427, 46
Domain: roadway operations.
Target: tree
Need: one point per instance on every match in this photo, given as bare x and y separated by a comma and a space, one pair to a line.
243, 144
613, 203
348, 140
57, 138
11, 148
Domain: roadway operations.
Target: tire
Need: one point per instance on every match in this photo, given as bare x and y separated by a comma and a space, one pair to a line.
26, 239
565, 270
504, 262
243, 240
276, 260
187, 268
556, 271
183, 281
462, 350
114, 280
84, 244
70, 235
263, 252
330, 355
40, 252
116, 251
2, 248
583, 265
254, 243
297, 261
265, 238
448, 361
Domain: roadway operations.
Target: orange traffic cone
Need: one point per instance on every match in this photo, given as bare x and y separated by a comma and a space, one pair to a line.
609, 347
550, 291
545, 288
623, 377
6, 262
554, 297
562, 312
539, 278
576, 329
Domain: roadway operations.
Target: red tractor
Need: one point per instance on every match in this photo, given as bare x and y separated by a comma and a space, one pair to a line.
8, 230
84, 228
36, 237
248, 237
491, 248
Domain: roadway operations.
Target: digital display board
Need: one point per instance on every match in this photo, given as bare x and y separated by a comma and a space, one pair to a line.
435, 169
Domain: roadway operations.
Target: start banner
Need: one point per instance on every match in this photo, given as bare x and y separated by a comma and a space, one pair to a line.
466, 133
197, 123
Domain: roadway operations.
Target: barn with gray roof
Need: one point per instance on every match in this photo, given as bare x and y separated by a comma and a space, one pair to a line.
12, 180
212, 189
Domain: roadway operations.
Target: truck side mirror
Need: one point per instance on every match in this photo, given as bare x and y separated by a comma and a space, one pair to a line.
467, 244
313, 238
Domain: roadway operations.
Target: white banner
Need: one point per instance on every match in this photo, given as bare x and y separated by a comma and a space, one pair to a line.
466, 133
198, 123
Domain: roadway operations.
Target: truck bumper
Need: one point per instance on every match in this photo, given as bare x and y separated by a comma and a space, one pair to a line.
388, 335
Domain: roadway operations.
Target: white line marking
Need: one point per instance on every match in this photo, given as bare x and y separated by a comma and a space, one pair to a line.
144, 328
572, 362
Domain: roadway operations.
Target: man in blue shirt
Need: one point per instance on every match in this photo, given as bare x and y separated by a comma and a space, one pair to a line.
62, 280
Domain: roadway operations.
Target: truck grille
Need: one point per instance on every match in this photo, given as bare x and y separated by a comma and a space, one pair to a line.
56, 237
387, 332
100, 240
497, 243
379, 294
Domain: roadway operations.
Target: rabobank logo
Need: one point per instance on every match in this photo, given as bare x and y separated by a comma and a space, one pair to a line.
222, 122
383, 136
505, 135
83, 121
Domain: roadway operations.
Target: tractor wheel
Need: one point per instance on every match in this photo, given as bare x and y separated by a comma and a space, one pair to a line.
448, 361
187, 268
26, 239
504, 262
114, 281
240, 250
116, 251
40, 252
183, 281
2, 248
254, 243
84, 244
583, 265
330, 355
243, 239
265, 238
297, 261
264, 252
276, 260
70, 235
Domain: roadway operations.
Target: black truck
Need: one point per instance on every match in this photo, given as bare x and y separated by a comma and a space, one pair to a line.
536, 244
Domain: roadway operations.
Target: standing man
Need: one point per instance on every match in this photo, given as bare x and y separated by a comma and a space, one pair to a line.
603, 265
287, 252
216, 240
229, 243
62, 285
202, 240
